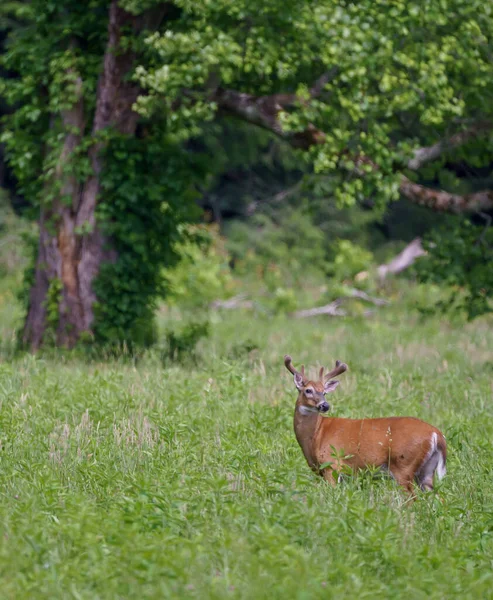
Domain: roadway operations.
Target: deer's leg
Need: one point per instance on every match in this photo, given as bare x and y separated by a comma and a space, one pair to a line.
404, 479
426, 486
331, 474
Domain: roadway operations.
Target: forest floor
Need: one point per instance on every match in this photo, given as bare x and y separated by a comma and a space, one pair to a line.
144, 479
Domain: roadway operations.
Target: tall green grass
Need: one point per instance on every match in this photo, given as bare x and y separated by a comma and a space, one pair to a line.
125, 479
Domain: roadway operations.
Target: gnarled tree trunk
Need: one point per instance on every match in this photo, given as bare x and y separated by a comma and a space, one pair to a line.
71, 246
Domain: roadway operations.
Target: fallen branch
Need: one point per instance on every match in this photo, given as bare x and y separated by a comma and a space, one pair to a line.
403, 260
331, 309
355, 293
233, 303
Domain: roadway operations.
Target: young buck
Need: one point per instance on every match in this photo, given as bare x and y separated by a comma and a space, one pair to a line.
407, 448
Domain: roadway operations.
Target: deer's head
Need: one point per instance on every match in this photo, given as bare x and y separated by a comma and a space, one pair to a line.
312, 393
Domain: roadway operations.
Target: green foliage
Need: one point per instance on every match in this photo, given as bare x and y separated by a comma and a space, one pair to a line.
51, 305
181, 345
138, 482
402, 75
291, 242
12, 231
461, 259
147, 194
202, 273
47, 55
285, 300
15, 235
349, 260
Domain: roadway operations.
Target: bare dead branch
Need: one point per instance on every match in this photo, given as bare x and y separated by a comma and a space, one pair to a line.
403, 260
239, 301
331, 310
322, 81
277, 198
359, 294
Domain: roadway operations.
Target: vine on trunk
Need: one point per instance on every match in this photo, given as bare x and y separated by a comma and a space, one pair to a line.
147, 193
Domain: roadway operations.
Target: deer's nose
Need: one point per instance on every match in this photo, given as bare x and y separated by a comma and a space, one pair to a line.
323, 406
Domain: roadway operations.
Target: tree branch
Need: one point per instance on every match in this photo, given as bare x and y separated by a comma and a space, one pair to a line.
277, 198
427, 154
441, 201
239, 301
264, 112
322, 81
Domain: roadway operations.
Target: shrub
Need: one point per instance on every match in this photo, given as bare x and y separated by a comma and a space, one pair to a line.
182, 345
349, 260
202, 273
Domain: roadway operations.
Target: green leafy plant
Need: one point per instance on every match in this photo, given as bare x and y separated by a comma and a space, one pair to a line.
349, 260
460, 257
202, 273
181, 345
280, 250
142, 209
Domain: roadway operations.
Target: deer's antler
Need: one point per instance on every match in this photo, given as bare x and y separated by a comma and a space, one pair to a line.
288, 361
289, 366
339, 368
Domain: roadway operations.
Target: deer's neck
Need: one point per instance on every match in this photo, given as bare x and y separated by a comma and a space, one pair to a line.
306, 424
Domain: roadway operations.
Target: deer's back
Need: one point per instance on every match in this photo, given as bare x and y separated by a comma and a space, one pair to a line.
375, 442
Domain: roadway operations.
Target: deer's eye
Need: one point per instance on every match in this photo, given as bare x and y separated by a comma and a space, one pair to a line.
308, 392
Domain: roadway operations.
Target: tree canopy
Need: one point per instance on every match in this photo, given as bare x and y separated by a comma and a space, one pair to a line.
385, 97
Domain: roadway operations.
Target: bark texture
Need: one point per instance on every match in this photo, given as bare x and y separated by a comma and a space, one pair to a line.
64, 253
441, 201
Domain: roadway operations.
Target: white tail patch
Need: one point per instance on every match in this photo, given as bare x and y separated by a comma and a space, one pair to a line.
441, 470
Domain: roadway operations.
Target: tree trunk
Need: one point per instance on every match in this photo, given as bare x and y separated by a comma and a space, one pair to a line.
71, 246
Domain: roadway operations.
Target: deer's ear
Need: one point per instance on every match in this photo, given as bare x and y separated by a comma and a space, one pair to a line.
298, 380
330, 386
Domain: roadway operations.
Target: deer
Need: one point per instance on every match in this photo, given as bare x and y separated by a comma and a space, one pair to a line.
408, 449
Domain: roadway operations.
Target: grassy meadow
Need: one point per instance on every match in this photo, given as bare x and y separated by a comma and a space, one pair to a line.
144, 479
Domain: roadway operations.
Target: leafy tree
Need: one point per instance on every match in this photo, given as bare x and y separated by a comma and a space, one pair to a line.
108, 92
461, 258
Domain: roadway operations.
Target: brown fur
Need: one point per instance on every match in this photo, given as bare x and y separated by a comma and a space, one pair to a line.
401, 445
